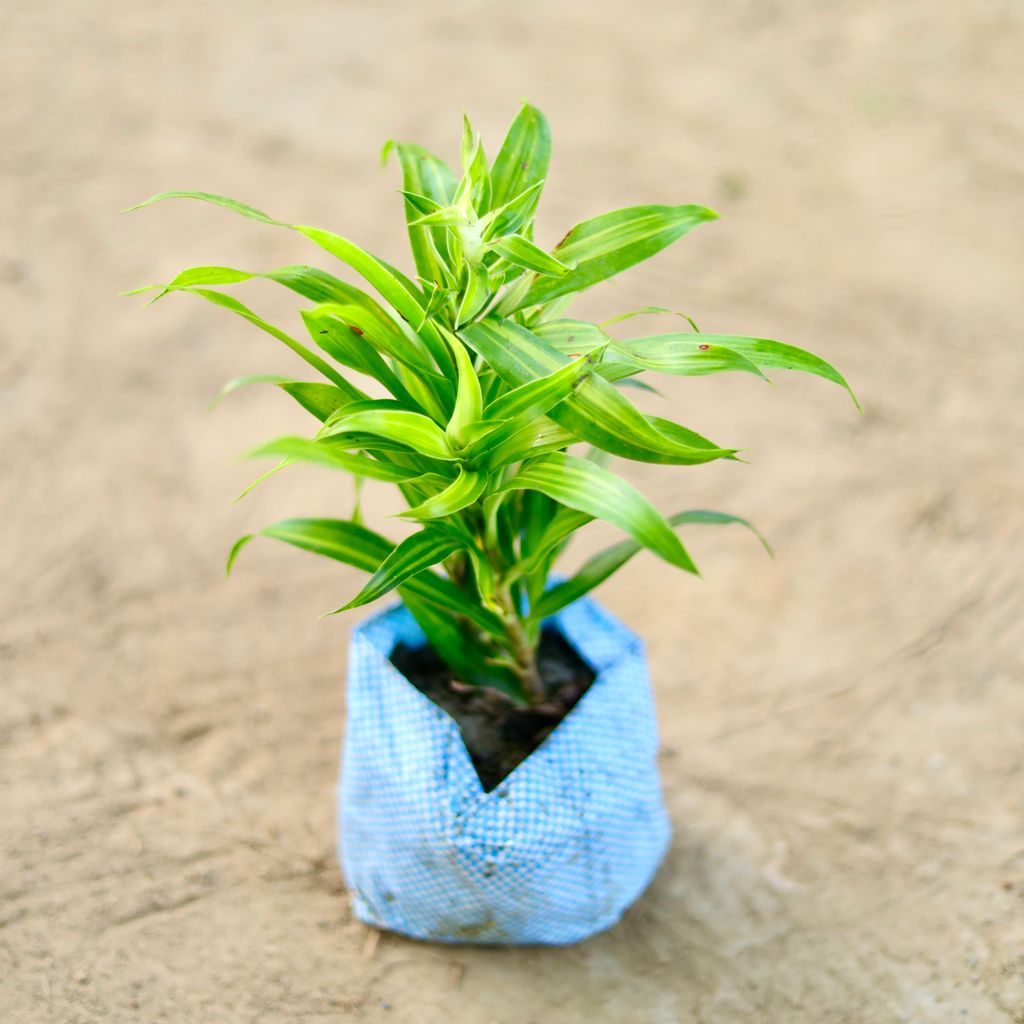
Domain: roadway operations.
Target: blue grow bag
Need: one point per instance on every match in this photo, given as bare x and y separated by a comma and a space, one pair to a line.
555, 853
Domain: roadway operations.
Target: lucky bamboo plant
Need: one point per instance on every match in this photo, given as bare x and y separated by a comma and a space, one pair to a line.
491, 389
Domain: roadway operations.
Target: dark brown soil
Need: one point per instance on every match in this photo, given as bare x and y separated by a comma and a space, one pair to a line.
498, 734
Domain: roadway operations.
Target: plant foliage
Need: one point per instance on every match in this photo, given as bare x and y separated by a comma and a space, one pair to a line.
490, 387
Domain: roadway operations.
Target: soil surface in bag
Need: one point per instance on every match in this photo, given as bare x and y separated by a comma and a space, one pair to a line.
498, 734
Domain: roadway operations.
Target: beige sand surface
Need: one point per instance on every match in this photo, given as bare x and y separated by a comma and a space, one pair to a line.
843, 727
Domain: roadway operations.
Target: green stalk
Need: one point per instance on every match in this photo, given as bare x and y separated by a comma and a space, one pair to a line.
523, 652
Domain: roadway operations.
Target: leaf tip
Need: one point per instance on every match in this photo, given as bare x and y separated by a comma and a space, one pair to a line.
234, 552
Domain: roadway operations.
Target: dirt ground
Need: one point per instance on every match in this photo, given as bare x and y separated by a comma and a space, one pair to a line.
843, 727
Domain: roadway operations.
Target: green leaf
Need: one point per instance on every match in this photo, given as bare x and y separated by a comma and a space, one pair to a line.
380, 330
467, 487
322, 400
596, 413
444, 217
236, 549
587, 487
684, 436
476, 184
598, 568
334, 538
209, 197
389, 282
647, 311
283, 464
243, 382
422, 204
513, 215
475, 293
537, 397
231, 303
324, 453
524, 253
514, 427
424, 175
408, 559
505, 448
762, 352
523, 159
556, 530
355, 545
686, 355
468, 399
309, 282
195, 276
393, 286
629, 357
571, 337
603, 246
318, 286
328, 326
639, 385
411, 429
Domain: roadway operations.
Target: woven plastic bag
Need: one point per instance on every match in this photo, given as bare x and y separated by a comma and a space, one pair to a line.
556, 852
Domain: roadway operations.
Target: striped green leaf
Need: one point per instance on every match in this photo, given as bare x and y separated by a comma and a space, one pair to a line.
347, 344
524, 253
602, 565
467, 488
209, 197
677, 355
408, 559
243, 382
469, 398
762, 353
309, 282
476, 182
553, 532
629, 357
348, 542
324, 453
587, 487
410, 429
516, 213
378, 329
537, 397
604, 246
596, 413
423, 174
475, 293
522, 162
322, 400
571, 337
401, 293
515, 443
231, 303
389, 282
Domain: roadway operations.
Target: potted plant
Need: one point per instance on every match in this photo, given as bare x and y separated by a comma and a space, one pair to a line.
499, 781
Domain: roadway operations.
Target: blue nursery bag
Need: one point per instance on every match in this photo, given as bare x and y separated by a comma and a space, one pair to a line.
555, 853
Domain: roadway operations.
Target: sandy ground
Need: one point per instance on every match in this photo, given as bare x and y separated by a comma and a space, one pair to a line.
843, 728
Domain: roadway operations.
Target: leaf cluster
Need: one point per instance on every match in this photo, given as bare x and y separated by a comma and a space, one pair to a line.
503, 412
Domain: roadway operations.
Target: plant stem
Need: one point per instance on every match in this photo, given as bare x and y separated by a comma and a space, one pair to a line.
521, 649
